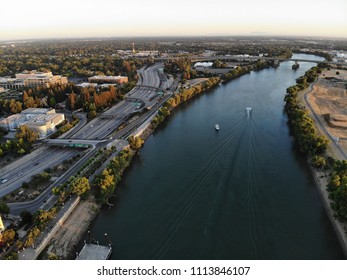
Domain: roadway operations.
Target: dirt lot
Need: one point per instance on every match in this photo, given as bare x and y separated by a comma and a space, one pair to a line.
329, 100
62, 244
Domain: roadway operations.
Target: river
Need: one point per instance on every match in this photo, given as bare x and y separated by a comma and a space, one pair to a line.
243, 192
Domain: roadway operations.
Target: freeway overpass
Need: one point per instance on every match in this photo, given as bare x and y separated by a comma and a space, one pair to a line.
74, 143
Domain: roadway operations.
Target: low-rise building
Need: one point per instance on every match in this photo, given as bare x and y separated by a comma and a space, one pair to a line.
108, 79
45, 124
203, 65
11, 83
86, 85
32, 79
12, 123
42, 120
146, 53
35, 78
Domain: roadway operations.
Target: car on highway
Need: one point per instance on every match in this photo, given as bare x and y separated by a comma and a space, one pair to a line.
3, 181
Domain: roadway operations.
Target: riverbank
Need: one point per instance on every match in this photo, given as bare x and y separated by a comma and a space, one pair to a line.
63, 242
340, 228
317, 109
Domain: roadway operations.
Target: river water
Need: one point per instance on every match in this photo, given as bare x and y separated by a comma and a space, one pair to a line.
243, 192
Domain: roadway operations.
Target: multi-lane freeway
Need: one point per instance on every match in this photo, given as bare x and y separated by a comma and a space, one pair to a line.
102, 130
27, 168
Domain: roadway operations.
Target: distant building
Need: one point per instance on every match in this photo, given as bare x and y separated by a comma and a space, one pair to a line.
11, 83
86, 85
203, 65
146, 53
108, 79
42, 120
32, 79
35, 78
12, 123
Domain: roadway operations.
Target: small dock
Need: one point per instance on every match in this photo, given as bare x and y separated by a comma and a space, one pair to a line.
94, 252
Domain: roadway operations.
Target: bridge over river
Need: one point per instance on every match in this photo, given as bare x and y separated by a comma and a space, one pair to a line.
249, 58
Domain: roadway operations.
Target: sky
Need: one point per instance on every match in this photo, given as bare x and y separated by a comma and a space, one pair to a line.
31, 19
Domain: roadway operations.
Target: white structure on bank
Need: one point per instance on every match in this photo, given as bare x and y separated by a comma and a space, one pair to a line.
203, 65
41, 120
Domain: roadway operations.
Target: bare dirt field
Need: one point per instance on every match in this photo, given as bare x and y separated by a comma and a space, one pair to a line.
62, 243
329, 101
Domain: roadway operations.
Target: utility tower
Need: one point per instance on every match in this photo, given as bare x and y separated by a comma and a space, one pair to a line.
134, 48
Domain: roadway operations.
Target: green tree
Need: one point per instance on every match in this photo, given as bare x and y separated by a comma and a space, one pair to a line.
135, 142
106, 185
80, 186
4, 208
71, 101
318, 161
42, 217
26, 217
27, 134
29, 102
33, 234
8, 237
52, 102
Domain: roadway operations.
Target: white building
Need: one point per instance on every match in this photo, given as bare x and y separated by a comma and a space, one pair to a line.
146, 53
203, 65
35, 78
108, 79
11, 83
45, 124
86, 85
41, 120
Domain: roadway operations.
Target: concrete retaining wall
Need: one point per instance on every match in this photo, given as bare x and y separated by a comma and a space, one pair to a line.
57, 225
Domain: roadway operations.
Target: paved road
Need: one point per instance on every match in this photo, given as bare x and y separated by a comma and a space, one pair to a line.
25, 169
99, 128
46, 199
78, 127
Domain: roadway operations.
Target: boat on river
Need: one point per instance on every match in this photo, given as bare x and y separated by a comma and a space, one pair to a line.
295, 66
216, 126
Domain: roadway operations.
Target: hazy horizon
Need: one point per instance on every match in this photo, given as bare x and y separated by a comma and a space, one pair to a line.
26, 20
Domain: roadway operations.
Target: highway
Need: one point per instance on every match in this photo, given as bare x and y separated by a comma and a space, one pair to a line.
143, 94
101, 128
26, 169
46, 199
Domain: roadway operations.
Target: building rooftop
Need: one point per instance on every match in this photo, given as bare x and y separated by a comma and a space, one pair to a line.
42, 119
107, 77
37, 111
